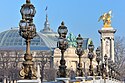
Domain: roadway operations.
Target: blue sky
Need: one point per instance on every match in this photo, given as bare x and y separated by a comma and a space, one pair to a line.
80, 16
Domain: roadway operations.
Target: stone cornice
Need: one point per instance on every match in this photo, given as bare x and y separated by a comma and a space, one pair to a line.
107, 31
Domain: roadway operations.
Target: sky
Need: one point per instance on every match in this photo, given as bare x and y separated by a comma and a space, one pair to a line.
80, 16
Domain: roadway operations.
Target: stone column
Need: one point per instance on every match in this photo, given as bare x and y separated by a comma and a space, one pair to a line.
112, 49
103, 48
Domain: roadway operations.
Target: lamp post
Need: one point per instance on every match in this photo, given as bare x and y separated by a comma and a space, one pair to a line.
79, 52
98, 59
91, 56
110, 63
27, 31
62, 44
106, 58
104, 73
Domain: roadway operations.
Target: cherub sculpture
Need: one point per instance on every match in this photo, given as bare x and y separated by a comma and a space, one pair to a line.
106, 18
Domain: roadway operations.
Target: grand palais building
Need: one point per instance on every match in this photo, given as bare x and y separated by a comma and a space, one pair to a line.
43, 48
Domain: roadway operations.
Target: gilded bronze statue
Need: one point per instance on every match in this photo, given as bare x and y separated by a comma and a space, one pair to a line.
106, 18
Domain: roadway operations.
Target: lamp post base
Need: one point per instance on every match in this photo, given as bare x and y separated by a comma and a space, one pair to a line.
28, 72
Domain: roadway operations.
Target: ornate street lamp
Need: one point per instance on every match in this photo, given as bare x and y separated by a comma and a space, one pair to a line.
110, 63
98, 59
105, 58
62, 44
91, 56
27, 31
79, 52
104, 70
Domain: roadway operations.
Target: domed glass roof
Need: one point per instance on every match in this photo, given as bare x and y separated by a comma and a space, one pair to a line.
11, 40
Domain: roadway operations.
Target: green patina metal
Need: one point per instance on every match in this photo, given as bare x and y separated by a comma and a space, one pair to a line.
71, 40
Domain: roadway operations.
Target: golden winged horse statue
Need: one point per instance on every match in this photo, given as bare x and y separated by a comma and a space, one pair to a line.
106, 18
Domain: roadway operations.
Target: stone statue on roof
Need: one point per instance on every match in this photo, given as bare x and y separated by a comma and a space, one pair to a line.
106, 18
71, 40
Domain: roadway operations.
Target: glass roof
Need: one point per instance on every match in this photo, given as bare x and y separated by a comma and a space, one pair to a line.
12, 39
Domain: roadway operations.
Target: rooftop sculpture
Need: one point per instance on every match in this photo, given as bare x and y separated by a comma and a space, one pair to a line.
106, 18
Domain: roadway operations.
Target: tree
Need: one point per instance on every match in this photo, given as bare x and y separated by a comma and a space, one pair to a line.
4, 60
50, 74
8, 64
120, 54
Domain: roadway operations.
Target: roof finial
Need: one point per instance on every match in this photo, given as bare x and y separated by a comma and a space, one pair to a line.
62, 23
46, 24
27, 1
46, 17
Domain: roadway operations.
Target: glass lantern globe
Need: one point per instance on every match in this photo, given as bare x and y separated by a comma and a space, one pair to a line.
98, 51
91, 47
62, 30
79, 40
27, 11
105, 57
23, 24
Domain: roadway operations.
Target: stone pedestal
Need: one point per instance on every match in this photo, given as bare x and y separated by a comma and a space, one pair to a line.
27, 81
82, 79
107, 42
65, 80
